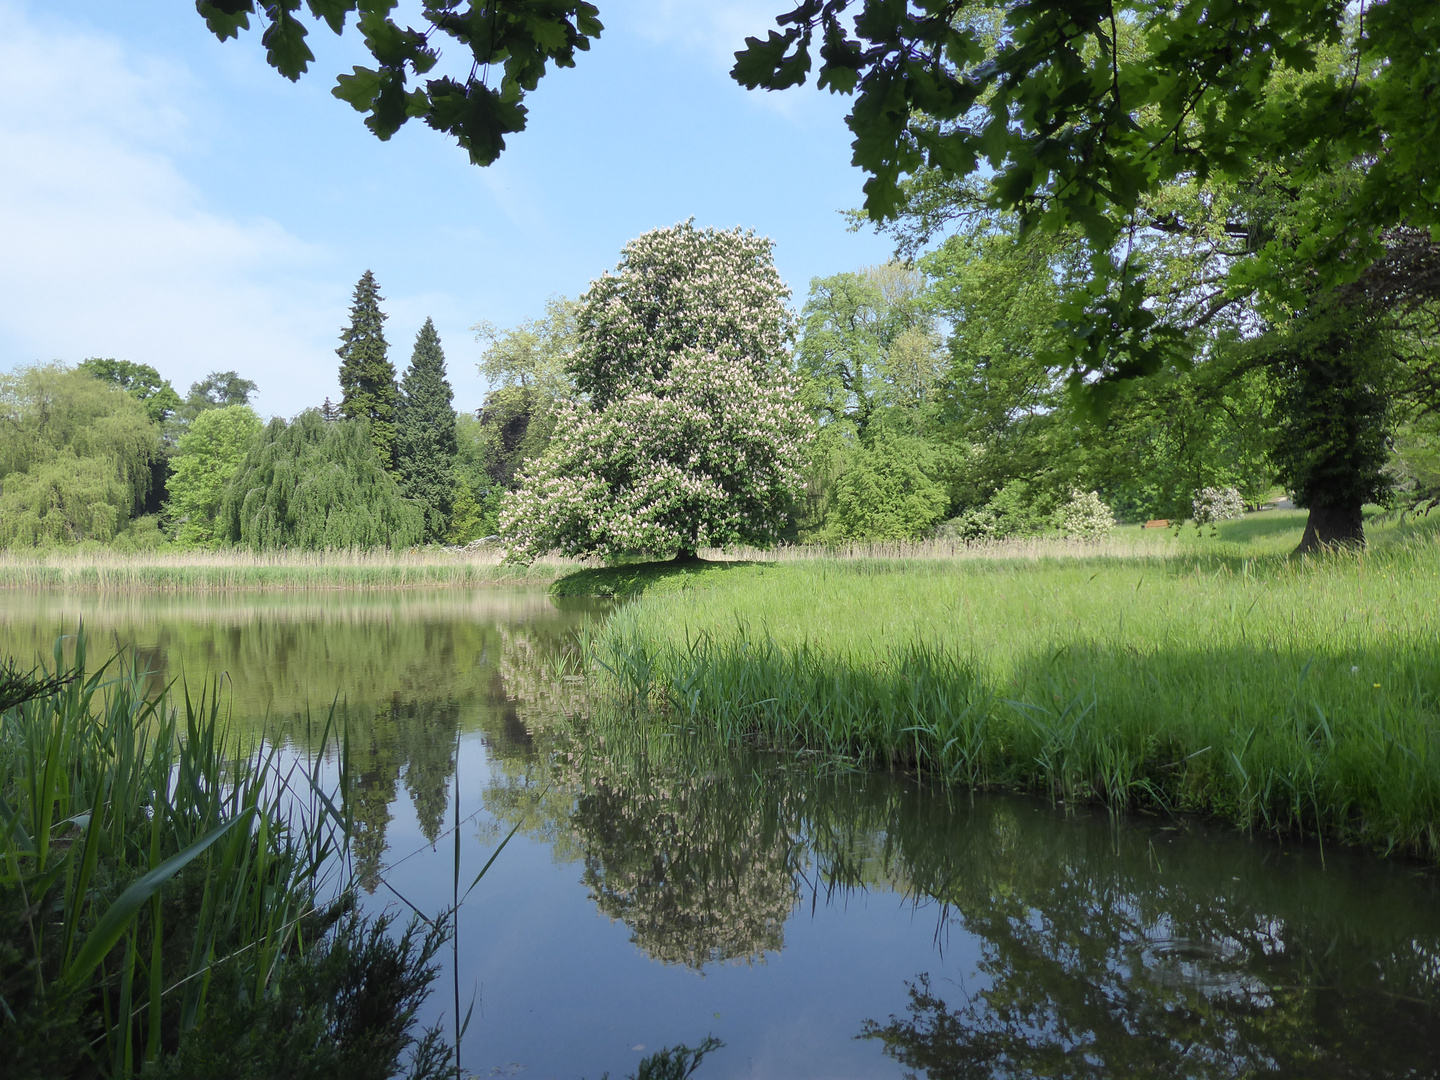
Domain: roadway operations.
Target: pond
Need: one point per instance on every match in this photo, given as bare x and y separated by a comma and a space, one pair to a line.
821, 923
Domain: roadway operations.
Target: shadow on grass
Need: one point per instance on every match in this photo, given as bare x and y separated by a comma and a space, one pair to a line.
632, 579
1262, 524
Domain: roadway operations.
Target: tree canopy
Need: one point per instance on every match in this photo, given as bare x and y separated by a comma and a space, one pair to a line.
75, 456
367, 377
205, 459
318, 485
218, 390
140, 381
1082, 109
687, 429
521, 37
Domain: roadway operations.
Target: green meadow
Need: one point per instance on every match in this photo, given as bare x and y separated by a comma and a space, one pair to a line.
1181, 673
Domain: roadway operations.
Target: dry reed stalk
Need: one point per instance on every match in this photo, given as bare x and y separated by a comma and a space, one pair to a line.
220, 571
1030, 549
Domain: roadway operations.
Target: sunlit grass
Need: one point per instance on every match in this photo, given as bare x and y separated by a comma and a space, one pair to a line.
1296, 694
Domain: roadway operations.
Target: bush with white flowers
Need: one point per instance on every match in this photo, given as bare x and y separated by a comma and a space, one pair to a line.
975, 525
687, 430
1085, 516
1212, 505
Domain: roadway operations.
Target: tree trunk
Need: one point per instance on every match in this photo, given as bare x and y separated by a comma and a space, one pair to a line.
1332, 527
686, 555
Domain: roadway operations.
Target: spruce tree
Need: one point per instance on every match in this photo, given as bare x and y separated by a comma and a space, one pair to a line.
367, 377
425, 446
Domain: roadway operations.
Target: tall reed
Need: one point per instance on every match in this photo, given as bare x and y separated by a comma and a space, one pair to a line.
151, 874
237, 570
1299, 697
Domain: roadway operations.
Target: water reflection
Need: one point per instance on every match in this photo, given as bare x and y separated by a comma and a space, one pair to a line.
1173, 953
1146, 949
1040, 943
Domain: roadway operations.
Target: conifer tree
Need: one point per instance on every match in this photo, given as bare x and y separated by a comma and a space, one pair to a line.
367, 377
425, 444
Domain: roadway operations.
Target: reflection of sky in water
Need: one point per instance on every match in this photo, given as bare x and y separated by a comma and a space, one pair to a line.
563, 990
976, 938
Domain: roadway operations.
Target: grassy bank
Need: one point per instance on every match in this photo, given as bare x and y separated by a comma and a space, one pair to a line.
227, 571
1293, 695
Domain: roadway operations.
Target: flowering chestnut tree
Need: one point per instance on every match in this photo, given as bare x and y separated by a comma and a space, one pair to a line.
686, 430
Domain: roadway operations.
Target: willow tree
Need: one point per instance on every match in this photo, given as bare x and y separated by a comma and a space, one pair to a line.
367, 378
309, 484
425, 446
76, 456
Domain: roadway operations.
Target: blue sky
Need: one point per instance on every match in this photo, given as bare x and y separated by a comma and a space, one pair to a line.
171, 200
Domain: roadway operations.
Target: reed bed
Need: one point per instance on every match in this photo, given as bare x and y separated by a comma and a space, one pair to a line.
235, 571
173, 905
1259, 534
1121, 544
1290, 695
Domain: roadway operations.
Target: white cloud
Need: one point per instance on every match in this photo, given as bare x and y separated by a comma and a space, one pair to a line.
716, 30
108, 250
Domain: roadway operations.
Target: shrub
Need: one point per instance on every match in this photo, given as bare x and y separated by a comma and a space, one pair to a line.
1212, 505
1085, 516
977, 523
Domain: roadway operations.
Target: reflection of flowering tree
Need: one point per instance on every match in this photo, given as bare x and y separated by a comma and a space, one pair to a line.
675, 841
689, 859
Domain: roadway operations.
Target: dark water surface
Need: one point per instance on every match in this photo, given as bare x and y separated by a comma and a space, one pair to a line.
822, 924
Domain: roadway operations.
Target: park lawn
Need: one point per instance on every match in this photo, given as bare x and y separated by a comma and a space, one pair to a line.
1210, 674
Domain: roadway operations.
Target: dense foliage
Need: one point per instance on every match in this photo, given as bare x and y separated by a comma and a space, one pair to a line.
687, 429
425, 446
75, 456
309, 484
1086, 112
140, 381
367, 378
205, 459
525, 365
218, 390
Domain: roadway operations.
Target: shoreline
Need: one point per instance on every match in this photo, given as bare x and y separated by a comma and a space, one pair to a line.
181, 572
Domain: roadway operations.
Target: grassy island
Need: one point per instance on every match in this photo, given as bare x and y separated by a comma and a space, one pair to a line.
1208, 675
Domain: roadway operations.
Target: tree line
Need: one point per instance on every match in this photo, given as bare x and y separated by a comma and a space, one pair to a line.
108, 452
680, 403
1238, 206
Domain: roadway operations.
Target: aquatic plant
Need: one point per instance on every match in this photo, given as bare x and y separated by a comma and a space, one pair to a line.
159, 886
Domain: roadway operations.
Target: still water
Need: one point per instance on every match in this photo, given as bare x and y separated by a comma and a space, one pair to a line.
822, 924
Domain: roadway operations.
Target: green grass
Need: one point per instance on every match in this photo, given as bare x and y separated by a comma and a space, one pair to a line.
632, 579
227, 571
1292, 695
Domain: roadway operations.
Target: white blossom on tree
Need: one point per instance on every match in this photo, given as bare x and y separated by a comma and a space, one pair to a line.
1085, 516
687, 429
1212, 505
